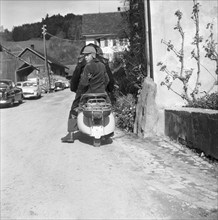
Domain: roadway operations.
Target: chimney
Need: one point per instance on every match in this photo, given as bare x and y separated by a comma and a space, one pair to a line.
118, 9
32, 46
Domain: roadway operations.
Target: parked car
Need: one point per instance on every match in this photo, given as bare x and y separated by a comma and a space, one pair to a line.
30, 89
44, 89
59, 85
10, 93
67, 84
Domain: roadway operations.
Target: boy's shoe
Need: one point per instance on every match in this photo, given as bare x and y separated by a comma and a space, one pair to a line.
68, 138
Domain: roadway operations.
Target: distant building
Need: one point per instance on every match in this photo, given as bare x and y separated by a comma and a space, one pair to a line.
37, 60
28, 64
104, 30
8, 65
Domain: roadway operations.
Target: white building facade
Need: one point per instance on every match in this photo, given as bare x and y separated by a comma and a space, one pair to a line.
103, 30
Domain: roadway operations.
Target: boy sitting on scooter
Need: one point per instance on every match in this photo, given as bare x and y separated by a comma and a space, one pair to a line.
94, 79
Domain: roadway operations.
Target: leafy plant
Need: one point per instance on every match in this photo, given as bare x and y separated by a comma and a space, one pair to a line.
210, 101
133, 59
211, 48
184, 75
125, 112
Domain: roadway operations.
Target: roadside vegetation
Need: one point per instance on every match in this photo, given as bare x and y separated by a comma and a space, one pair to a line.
193, 97
130, 65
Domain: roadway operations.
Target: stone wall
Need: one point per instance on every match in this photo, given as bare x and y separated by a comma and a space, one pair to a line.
196, 128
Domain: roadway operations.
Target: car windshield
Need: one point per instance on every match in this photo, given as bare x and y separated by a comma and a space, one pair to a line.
4, 84
29, 84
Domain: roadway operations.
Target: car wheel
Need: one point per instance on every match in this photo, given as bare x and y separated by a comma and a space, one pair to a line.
21, 99
12, 103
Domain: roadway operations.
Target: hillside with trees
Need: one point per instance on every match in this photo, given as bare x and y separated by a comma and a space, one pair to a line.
63, 38
68, 26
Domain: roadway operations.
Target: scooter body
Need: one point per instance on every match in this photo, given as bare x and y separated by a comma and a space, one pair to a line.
95, 117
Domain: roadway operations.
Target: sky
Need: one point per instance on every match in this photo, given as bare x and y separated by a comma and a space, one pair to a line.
17, 12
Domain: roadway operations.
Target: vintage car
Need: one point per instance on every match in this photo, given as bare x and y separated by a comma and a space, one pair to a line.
10, 93
67, 84
30, 89
59, 85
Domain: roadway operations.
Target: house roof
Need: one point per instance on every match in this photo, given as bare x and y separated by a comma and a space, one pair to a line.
101, 24
41, 55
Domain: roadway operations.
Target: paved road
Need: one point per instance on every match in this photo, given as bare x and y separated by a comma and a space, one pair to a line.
42, 178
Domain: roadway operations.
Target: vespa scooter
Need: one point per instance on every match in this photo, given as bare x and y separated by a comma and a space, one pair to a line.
95, 117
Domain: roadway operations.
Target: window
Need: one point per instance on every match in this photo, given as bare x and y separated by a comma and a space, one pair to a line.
106, 42
114, 42
97, 41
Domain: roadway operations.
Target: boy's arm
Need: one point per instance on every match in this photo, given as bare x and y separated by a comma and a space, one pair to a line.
84, 81
74, 82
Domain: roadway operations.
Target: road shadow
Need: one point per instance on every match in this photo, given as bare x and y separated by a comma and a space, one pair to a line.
7, 106
89, 140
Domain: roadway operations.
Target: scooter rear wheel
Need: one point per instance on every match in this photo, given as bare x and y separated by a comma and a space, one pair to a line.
96, 142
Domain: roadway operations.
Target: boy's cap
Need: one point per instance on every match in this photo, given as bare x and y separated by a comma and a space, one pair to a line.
89, 49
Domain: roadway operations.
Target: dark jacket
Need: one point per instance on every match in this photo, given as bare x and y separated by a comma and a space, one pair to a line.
110, 86
74, 82
94, 77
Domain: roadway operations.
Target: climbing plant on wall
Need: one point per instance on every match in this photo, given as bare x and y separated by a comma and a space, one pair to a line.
133, 59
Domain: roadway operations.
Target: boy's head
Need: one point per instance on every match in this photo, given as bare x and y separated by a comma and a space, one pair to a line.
89, 53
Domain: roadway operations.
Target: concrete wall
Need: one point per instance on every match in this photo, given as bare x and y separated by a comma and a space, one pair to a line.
163, 22
196, 128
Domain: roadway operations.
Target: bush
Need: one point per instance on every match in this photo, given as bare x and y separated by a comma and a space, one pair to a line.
210, 101
125, 112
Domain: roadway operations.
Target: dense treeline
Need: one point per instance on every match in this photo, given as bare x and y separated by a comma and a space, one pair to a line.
68, 26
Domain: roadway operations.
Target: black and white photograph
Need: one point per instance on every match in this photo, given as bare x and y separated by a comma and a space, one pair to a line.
109, 109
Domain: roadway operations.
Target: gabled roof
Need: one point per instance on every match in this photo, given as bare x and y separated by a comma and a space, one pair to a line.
101, 24
41, 55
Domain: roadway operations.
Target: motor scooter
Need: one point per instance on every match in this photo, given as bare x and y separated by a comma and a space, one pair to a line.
95, 117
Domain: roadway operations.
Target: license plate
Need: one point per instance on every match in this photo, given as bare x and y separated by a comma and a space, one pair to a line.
97, 131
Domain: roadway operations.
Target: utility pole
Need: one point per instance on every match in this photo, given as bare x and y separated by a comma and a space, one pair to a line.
45, 54
148, 38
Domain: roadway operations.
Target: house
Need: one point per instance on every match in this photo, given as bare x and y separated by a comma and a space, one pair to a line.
9, 63
36, 65
104, 29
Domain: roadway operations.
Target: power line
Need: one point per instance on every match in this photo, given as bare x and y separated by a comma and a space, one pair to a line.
2, 48
62, 38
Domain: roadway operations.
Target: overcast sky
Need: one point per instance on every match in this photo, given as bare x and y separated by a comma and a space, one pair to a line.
17, 12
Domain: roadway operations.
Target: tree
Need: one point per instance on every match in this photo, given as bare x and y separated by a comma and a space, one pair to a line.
185, 73
134, 59
70, 25
211, 48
